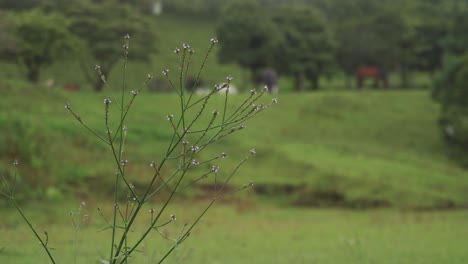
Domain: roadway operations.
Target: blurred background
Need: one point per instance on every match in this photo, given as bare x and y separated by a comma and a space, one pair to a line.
364, 159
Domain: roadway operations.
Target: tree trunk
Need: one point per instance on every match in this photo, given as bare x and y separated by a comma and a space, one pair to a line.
299, 82
315, 82
99, 85
404, 76
33, 67
33, 73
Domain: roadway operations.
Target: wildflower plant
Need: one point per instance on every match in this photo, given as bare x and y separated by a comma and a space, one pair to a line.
194, 128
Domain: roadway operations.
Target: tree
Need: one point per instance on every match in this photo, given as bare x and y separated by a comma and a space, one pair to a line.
368, 32
421, 45
37, 40
247, 36
451, 86
18, 5
102, 24
306, 48
456, 41
451, 91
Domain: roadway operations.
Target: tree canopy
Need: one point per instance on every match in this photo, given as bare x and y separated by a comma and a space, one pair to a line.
247, 39
37, 39
102, 25
306, 47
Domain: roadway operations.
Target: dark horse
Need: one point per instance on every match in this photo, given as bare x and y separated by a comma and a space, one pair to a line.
371, 72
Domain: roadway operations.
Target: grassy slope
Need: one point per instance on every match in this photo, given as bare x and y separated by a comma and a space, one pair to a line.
348, 148
352, 148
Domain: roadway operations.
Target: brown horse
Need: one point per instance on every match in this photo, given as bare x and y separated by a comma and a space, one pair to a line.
371, 72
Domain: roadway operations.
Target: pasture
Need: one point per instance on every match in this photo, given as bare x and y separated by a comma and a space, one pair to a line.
318, 155
348, 176
254, 233
353, 149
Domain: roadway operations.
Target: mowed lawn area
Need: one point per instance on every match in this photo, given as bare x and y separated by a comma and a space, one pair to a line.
253, 233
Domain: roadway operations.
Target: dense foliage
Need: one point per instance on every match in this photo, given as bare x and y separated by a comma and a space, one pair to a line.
36, 39
451, 90
306, 48
102, 24
247, 39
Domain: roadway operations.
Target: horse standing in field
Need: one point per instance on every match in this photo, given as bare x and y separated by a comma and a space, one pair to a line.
371, 72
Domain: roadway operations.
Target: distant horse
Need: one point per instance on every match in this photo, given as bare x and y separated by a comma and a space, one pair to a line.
371, 72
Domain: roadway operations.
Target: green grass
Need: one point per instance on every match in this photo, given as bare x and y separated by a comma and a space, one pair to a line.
255, 233
353, 149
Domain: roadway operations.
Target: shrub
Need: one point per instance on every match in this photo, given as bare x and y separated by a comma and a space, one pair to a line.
451, 91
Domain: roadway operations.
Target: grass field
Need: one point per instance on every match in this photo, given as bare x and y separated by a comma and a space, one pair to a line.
357, 149
338, 149
319, 155
255, 233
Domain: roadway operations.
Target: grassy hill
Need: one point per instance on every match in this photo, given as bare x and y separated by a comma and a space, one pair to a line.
354, 148
339, 148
